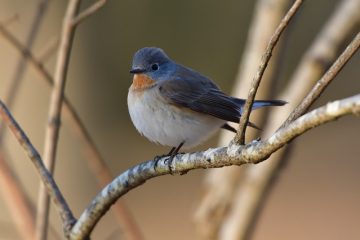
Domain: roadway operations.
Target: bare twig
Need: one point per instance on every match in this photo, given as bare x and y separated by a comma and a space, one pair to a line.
321, 85
240, 135
51, 186
220, 183
69, 24
52, 130
323, 51
14, 194
254, 152
89, 11
95, 160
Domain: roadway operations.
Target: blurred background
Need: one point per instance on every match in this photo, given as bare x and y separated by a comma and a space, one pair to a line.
318, 194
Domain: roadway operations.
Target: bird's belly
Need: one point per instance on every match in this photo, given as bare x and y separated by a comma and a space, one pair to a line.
167, 124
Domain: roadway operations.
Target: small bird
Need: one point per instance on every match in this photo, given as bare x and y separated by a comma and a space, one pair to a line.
176, 106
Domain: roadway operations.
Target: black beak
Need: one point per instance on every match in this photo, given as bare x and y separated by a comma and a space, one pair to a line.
137, 70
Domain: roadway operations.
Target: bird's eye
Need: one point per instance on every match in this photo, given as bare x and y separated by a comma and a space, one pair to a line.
155, 66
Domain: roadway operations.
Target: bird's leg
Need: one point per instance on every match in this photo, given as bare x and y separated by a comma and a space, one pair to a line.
158, 157
165, 155
172, 154
171, 151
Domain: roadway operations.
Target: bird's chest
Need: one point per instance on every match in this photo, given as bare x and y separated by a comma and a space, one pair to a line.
157, 120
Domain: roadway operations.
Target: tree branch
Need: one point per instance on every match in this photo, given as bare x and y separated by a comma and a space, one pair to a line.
89, 11
14, 194
326, 79
45, 175
254, 152
220, 183
56, 100
94, 158
248, 200
240, 135
17, 202
21, 66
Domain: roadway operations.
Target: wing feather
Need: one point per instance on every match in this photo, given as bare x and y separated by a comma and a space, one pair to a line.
194, 91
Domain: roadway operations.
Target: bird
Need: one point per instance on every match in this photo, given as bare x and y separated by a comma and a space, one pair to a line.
176, 106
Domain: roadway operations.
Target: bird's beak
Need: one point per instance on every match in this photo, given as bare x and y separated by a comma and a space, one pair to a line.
137, 70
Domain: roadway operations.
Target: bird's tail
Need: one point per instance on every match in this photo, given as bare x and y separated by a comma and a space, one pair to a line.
259, 103
264, 103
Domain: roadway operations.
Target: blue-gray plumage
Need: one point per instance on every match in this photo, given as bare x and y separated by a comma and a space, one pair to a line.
174, 105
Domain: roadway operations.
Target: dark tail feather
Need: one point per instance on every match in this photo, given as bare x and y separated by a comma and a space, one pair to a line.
231, 129
260, 103
257, 104
264, 103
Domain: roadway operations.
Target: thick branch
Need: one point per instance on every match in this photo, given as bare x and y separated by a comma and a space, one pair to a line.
253, 152
240, 135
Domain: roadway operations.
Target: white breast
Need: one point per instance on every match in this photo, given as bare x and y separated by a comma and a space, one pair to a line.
167, 124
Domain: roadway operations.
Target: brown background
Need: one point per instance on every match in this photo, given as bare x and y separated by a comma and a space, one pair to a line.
318, 194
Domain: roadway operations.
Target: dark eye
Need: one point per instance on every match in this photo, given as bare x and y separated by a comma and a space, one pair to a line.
155, 67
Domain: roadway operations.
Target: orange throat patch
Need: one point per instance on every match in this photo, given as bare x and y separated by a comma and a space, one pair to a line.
141, 82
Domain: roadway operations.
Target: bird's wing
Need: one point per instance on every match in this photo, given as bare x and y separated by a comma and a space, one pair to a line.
192, 90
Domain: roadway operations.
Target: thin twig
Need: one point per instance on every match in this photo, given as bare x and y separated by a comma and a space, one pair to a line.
220, 183
254, 152
326, 79
95, 160
51, 186
248, 201
14, 194
240, 135
56, 100
89, 11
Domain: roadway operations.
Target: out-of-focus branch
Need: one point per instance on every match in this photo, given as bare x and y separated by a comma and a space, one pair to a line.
10, 20
321, 85
89, 11
20, 68
254, 152
53, 126
13, 192
16, 200
51, 186
95, 160
220, 184
316, 59
49, 49
38, 66
240, 135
